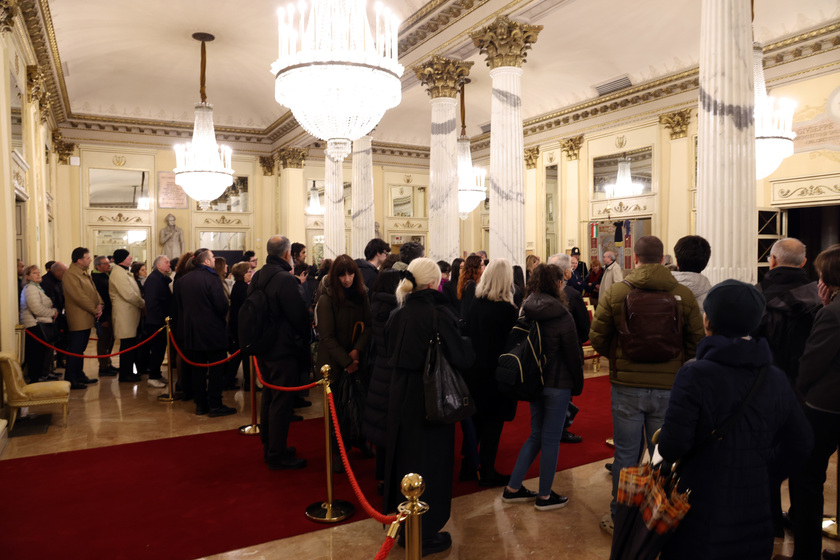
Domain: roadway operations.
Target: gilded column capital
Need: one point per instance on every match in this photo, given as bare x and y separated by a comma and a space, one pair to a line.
572, 147
442, 76
267, 164
7, 15
36, 85
62, 149
292, 158
531, 156
677, 123
505, 41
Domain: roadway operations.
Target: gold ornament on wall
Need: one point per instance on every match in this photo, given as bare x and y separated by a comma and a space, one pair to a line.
292, 158
62, 149
620, 141
677, 123
407, 179
531, 156
505, 41
267, 164
119, 161
572, 147
120, 219
442, 76
7, 15
223, 221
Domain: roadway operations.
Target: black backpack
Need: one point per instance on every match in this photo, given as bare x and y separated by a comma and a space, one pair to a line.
787, 323
257, 324
519, 372
651, 326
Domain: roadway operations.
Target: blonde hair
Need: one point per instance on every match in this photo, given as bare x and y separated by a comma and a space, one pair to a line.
496, 283
424, 272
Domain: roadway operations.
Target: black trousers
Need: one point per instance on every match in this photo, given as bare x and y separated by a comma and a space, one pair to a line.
129, 359
207, 382
104, 343
77, 341
157, 349
276, 408
37, 355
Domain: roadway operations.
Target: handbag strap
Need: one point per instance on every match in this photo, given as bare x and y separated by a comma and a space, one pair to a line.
719, 433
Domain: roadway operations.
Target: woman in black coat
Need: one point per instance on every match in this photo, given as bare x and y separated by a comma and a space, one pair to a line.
490, 320
414, 444
467, 281
238, 293
450, 288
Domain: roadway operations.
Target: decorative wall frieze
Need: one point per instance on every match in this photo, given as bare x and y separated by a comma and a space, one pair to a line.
806, 191
621, 208
223, 221
800, 46
267, 164
572, 147
402, 150
408, 224
505, 41
677, 123
291, 158
62, 149
531, 157
120, 218
448, 13
42, 36
442, 76
7, 15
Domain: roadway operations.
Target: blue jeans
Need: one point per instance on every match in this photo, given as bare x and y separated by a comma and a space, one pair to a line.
637, 413
548, 414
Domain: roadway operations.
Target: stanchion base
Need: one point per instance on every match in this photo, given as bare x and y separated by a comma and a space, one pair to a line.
322, 512
176, 396
249, 430
830, 528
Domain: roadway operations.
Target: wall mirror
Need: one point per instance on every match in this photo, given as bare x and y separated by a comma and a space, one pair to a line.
16, 100
319, 187
551, 201
136, 241
407, 201
119, 188
223, 240
623, 174
234, 199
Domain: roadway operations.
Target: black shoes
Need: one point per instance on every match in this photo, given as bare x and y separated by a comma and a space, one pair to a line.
493, 479
89, 380
133, 378
222, 411
296, 418
440, 542
201, 410
300, 402
109, 371
467, 472
554, 501
287, 463
608, 466
521, 495
78, 385
569, 437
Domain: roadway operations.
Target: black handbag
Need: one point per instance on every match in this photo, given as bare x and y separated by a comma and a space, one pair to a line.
446, 393
49, 332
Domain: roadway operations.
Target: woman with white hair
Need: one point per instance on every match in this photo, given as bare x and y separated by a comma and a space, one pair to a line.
490, 319
415, 444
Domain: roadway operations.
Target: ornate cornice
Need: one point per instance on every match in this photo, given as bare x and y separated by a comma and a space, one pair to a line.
403, 150
677, 123
120, 219
223, 221
291, 158
505, 41
62, 149
7, 15
267, 164
442, 76
572, 147
531, 156
440, 21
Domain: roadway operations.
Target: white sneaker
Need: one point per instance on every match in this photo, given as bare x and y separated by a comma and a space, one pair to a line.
157, 383
607, 524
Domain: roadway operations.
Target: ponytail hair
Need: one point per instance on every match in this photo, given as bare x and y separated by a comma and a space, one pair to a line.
420, 273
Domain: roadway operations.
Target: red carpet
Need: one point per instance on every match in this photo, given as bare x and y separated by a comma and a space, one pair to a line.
193, 496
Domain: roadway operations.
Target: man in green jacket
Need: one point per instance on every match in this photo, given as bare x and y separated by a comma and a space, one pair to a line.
640, 390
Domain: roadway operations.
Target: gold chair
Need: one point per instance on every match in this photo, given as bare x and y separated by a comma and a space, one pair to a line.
19, 394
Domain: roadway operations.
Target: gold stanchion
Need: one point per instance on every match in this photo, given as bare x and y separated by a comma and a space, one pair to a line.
252, 429
331, 511
830, 526
172, 395
412, 487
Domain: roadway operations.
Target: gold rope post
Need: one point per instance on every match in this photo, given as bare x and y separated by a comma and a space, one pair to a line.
331, 511
412, 488
252, 429
172, 396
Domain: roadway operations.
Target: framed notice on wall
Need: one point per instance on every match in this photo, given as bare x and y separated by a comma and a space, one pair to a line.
170, 195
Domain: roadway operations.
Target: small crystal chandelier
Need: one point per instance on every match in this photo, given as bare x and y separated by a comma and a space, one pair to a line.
314, 207
203, 167
471, 191
336, 76
773, 123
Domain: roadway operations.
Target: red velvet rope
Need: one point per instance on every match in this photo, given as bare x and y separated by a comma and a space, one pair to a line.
277, 387
385, 549
356, 490
65, 352
229, 358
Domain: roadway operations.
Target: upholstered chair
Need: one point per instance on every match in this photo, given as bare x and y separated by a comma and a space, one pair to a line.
19, 394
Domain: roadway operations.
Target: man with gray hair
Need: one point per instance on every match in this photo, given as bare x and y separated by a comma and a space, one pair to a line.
612, 272
283, 362
101, 277
158, 307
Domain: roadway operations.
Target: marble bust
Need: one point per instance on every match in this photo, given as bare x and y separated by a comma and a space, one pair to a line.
172, 238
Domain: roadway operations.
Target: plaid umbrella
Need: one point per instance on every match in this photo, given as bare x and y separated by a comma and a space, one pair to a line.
649, 509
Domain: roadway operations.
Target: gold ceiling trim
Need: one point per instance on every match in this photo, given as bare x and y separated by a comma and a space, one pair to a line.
803, 37
425, 10
442, 21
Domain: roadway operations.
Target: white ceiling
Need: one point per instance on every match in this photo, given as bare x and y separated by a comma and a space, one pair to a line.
130, 59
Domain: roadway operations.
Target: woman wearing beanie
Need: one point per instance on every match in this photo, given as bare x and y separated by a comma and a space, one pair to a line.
414, 444
730, 477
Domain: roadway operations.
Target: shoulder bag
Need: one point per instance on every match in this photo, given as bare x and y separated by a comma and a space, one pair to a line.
446, 394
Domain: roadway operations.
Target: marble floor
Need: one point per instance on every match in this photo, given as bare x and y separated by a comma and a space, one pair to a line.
482, 527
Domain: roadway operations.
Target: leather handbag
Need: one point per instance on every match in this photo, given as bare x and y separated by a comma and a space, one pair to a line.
447, 396
49, 332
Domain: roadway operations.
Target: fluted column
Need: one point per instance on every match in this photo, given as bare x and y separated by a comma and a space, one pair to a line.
334, 236
443, 76
726, 191
505, 42
290, 191
362, 218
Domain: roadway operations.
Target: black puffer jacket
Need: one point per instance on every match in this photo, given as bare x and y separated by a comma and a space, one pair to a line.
564, 356
730, 480
376, 410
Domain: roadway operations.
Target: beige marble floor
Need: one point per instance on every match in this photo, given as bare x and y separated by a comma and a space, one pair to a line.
483, 528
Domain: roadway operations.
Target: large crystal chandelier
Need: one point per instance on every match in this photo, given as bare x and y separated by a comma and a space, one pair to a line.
773, 123
471, 191
336, 76
623, 185
203, 167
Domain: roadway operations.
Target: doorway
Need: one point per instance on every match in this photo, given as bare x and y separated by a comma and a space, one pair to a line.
818, 227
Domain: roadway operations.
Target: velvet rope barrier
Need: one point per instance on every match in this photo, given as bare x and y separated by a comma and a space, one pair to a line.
385, 549
65, 352
277, 387
196, 364
356, 490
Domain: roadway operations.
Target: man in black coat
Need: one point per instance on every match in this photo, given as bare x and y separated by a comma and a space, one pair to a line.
51, 284
105, 330
282, 364
202, 307
375, 252
158, 308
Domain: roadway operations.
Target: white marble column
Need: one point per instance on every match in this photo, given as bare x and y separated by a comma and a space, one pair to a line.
507, 168
334, 235
362, 218
726, 190
444, 222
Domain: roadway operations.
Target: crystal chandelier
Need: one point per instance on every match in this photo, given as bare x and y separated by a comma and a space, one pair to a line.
203, 167
314, 207
336, 76
773, 123
471, 191
624, 185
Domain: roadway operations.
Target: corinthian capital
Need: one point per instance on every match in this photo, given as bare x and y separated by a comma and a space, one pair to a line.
572, 147
7, 15
505, 41
292, 158
442, 76
677, 123
531, 156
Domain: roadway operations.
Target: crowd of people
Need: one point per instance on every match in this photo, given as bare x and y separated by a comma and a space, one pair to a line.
373, 319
